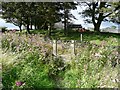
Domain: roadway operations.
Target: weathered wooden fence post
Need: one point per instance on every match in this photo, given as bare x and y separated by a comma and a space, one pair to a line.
81, 37
73, 47
55, 47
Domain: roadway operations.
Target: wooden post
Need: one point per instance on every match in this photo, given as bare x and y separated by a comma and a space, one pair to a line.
73, 46
55, 47
48, 33
81, 37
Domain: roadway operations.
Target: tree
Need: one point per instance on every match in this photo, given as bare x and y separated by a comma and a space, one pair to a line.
26, 11
115, 17
0, 9
10, 15
41, 15
30, 13
18, 13
96, 12
50, 14
66, 15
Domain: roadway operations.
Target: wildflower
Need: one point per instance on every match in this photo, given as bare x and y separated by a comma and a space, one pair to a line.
14, 30
19, 83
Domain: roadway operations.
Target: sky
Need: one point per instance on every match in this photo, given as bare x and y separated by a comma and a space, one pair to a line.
74, 12
80, 19
8, 25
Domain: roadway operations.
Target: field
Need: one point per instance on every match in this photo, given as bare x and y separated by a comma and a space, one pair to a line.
28, 62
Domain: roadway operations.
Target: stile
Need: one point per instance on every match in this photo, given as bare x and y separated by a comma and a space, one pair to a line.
81, 37
55, 47
73, 47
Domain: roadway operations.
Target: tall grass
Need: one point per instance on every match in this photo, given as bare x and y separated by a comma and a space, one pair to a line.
27, 60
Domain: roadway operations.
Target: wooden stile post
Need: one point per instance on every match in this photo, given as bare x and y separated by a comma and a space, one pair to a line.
73, 47
81, 37
55, 47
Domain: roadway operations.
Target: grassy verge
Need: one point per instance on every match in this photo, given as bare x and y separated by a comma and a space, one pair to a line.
93, 37
28, 63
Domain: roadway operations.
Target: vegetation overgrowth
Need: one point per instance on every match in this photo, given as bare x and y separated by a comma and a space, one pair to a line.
28, 62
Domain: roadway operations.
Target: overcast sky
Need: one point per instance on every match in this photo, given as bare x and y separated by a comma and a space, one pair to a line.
74, 12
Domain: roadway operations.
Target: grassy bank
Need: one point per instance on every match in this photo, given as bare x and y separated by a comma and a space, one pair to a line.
98, 38
27, 62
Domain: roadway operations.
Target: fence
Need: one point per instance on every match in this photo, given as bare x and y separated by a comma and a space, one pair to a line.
73, 45
69, 45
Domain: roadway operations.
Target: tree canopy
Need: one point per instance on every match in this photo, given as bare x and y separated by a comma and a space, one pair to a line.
115, 17
96, 12
40, 15
43, 15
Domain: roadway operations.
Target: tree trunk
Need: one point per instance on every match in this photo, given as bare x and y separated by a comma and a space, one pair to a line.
65, 21
28, 30
65, 27
49, 30
97, 27
28, 23
31, 24
20, 28
35, 26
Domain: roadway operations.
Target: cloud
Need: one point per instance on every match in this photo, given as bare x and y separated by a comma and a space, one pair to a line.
108, 24
78, 16
8, 25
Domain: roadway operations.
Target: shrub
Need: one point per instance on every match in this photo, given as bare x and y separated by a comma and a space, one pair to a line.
3, 29
85, 68
30, 70
33, 66
56, 66
5, 44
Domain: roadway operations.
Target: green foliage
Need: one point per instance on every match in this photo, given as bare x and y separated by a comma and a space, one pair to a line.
97, 12
37, 14
81, 73
5, 43
85, 69
56, 66
29, 70
115, 16
3, 29
33, 64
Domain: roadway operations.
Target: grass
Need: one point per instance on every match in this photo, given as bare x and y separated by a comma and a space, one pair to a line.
29, 59
25, 70
97, 38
